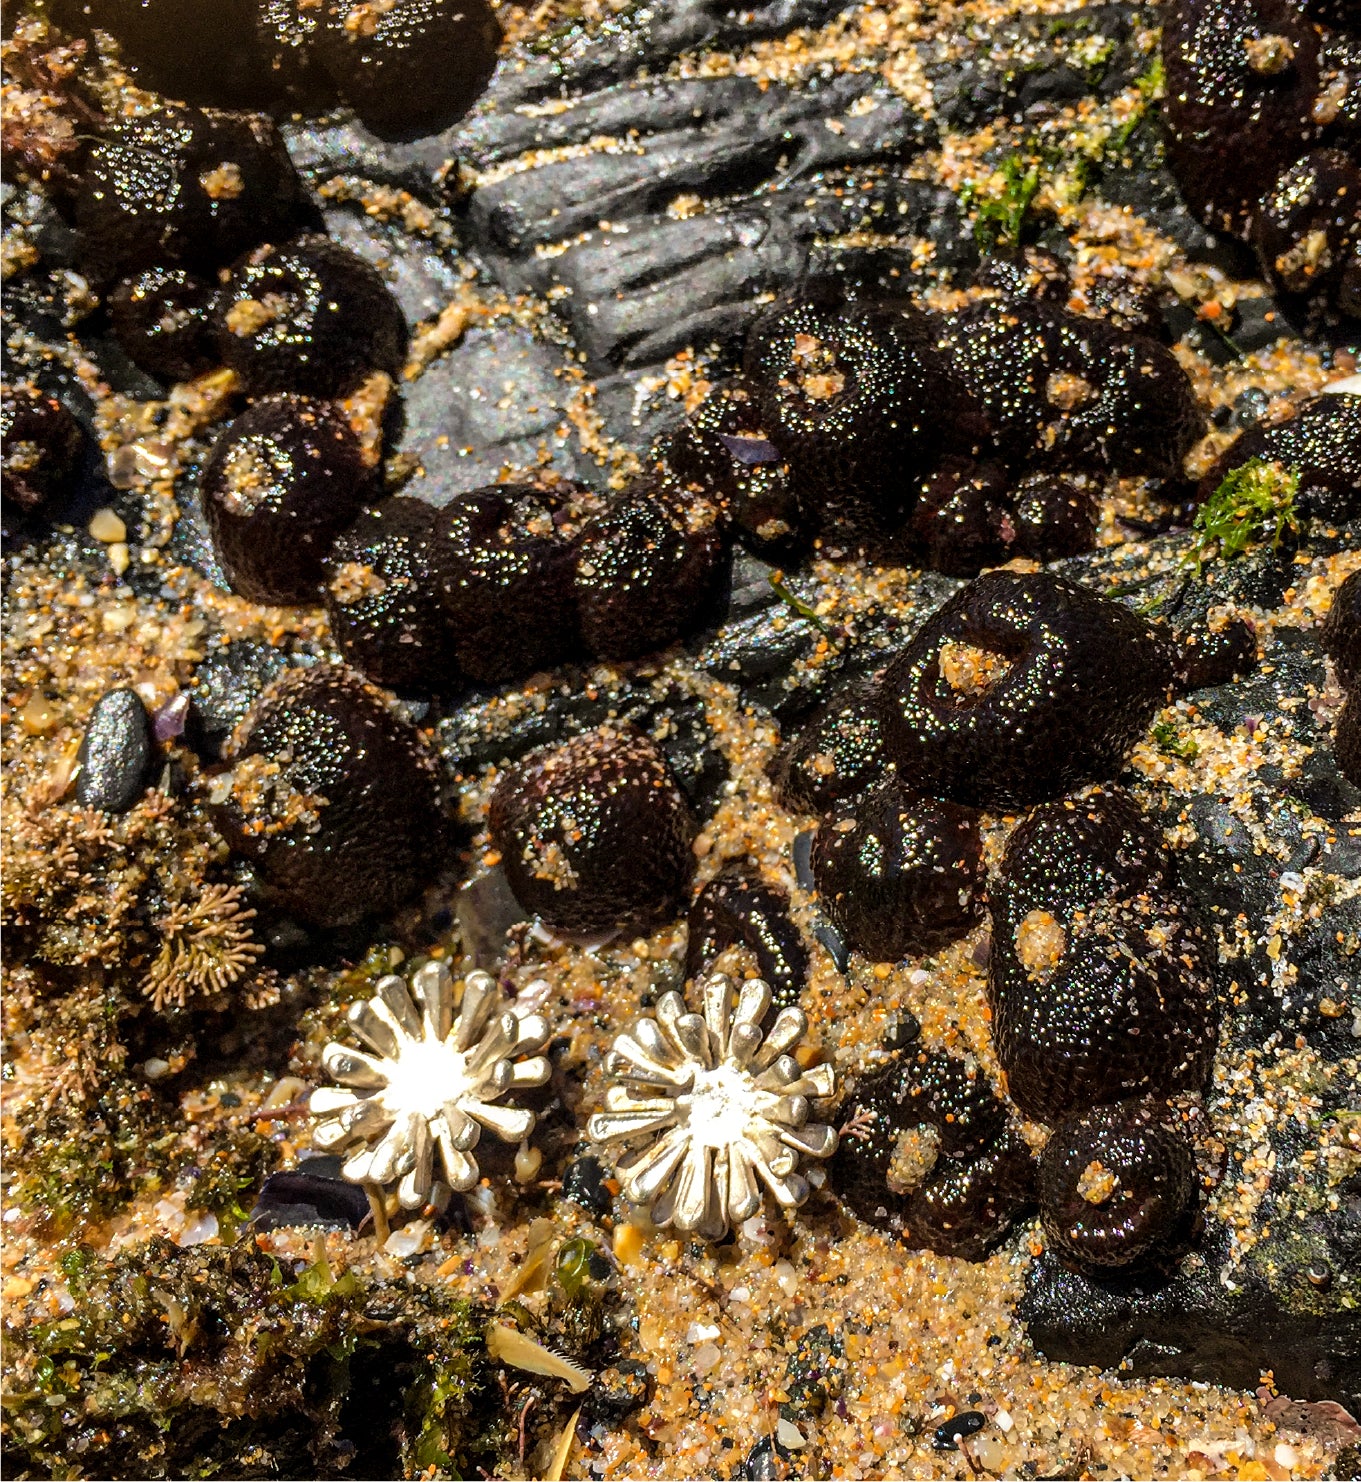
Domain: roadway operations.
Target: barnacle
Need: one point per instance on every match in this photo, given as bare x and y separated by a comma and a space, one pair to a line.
714, 1104
433, 1080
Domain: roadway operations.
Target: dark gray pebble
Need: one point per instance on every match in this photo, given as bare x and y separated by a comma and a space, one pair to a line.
313, 1194
117, 754
583, 1182
950, 1432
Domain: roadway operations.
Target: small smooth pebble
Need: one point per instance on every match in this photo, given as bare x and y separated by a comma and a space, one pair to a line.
107, 528
116, 753
788, 1434
410, 1240
198, 1229
38, 716
528, 1160
990, 1452
950, 1432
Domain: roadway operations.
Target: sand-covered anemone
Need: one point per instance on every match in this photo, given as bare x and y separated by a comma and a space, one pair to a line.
714, 1109
438, 1075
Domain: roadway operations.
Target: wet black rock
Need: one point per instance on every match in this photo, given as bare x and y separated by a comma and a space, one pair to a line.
117, 753
408, 68
594, 834
161, 319
949, 1433
42, 444
184, 186
583, 1182
312, 1195
1214, 1319
1019, 688
750, 149
282, 481
737, 909
333, 798
899, 875
307, 316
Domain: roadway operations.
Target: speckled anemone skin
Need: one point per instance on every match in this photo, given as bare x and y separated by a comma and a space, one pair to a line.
717, 1108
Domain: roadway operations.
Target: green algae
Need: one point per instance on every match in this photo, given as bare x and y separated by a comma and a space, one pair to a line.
210, 1362
1254, 505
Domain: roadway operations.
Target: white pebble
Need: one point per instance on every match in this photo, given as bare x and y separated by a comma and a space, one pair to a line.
1347, 386
990, 1452
699, 1332
198, 1229
155, 1068
786, 1278
1004, 1421
740, 1294
790, 1436
1286, 1456
410, 1240
106, 526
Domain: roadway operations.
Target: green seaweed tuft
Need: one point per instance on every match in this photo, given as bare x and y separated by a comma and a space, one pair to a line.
1254, 505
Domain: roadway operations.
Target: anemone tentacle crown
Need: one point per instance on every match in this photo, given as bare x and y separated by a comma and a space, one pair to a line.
716, 1107
433, 1081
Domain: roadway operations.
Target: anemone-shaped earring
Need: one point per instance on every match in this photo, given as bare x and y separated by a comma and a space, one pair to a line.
715, 1108
433, 1080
